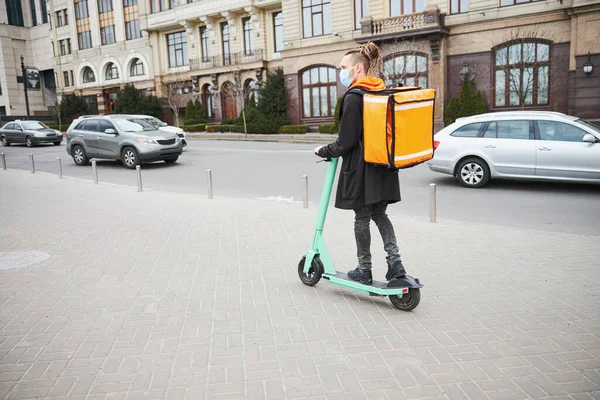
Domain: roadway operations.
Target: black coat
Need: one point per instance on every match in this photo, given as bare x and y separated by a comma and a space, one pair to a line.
359, 183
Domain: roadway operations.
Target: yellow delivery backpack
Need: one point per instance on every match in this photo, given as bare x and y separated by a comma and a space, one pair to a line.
397, 126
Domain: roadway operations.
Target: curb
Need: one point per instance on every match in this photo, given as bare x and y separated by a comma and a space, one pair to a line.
304, 138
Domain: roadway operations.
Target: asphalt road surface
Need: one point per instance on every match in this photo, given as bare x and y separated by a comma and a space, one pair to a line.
274, 171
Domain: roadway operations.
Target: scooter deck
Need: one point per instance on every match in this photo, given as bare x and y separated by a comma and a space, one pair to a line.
377, 287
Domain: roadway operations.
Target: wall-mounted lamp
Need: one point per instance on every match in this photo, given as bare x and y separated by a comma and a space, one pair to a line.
588, 67
465, 73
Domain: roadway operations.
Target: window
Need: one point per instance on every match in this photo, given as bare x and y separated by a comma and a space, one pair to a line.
68, 77
33, 13
559, 131
88, 75
209, 101
137, 67
459, 6
59, 19
204, 44
161, 5
132, 22
14, 12
107, 34
65, 47
248, 39
406, 70
319, 92
44, 11
278, 31
226, 44
521, 73
513, 2
316, 17
404, 7
111, 72
178, 54
361, 10
103, 125
470, 130
82, 20
510, 130
104, 6
92, 102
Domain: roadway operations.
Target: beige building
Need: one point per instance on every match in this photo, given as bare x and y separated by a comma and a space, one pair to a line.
24, 32
518, 53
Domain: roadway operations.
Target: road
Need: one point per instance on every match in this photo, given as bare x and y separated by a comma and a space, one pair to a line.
274, 171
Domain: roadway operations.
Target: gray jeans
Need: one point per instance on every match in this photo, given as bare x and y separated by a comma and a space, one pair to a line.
362, 232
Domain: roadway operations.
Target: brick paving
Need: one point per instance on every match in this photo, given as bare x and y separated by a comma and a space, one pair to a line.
169, 296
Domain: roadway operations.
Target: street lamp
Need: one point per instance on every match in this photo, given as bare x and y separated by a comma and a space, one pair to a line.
588, 67
25, 84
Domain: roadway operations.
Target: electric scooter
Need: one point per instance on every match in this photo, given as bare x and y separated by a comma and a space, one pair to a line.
404, 292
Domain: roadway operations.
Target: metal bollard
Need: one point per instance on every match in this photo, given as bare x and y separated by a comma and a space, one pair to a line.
139, 177
432, 203
32, 163
210, 185
305, 190
59, 167
3, 160
95, 172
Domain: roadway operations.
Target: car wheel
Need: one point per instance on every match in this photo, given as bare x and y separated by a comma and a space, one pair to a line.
130, 158
171, 160
473, 172
4, 141
79, 156
28, 141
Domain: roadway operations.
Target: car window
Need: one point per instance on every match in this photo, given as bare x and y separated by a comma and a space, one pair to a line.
560, 132
9, 126
470, 130
81, 126
104, 125
513, 129
134, 125
589, 125
89, 125
33, 125
491, 130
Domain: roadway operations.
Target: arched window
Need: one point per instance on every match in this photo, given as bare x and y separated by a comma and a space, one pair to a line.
88, 75
250, 90
137, 67
521, 73
111, 72
406, 70
208, 100
319, 92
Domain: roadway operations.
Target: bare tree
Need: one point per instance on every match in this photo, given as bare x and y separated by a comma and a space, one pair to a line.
405, 63
173, 94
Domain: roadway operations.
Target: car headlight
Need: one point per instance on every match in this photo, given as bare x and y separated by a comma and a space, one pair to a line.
147, 140
58, 132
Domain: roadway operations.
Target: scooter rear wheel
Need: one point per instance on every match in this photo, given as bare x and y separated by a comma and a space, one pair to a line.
407, 302
314, 273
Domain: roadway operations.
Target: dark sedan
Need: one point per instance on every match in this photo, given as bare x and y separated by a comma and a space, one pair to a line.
30, 133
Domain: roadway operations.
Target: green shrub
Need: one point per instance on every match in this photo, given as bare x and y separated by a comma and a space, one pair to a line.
293, 129
336, 116
467, 104
194, 128
131, 100
192, 122
328, 129
225, 128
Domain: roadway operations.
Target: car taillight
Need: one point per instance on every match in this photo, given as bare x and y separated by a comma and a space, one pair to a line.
436, 143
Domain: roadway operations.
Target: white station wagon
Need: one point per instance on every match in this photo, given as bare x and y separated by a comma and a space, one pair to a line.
518, 145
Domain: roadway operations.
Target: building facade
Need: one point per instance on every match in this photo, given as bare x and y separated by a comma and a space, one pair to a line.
24, 28
520, 54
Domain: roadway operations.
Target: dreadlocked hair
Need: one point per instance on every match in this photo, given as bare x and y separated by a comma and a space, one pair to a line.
369, 56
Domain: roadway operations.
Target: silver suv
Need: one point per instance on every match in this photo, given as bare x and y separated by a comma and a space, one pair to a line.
129, 139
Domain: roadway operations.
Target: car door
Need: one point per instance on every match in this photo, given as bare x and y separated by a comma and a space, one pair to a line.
562, 153
9, 132
86, 132
108, 143
19, 133
509, 146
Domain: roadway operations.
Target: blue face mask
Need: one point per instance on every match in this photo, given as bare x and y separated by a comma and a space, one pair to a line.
345, 78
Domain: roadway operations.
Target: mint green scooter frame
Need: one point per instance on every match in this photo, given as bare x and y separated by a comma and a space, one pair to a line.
319, 249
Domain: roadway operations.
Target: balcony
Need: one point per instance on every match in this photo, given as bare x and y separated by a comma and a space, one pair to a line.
233, 60
428, 22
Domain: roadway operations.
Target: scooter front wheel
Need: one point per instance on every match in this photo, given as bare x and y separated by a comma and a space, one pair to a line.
407, 302
313, 276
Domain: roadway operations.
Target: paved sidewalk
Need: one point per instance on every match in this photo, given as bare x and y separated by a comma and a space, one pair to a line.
158, 295
309, 137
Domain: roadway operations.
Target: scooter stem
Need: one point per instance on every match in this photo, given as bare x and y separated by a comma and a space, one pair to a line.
327, 187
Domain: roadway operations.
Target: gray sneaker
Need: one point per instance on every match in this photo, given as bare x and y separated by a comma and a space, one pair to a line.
396, 270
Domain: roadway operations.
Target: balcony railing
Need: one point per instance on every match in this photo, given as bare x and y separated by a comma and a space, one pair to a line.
404, 23
229, 60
